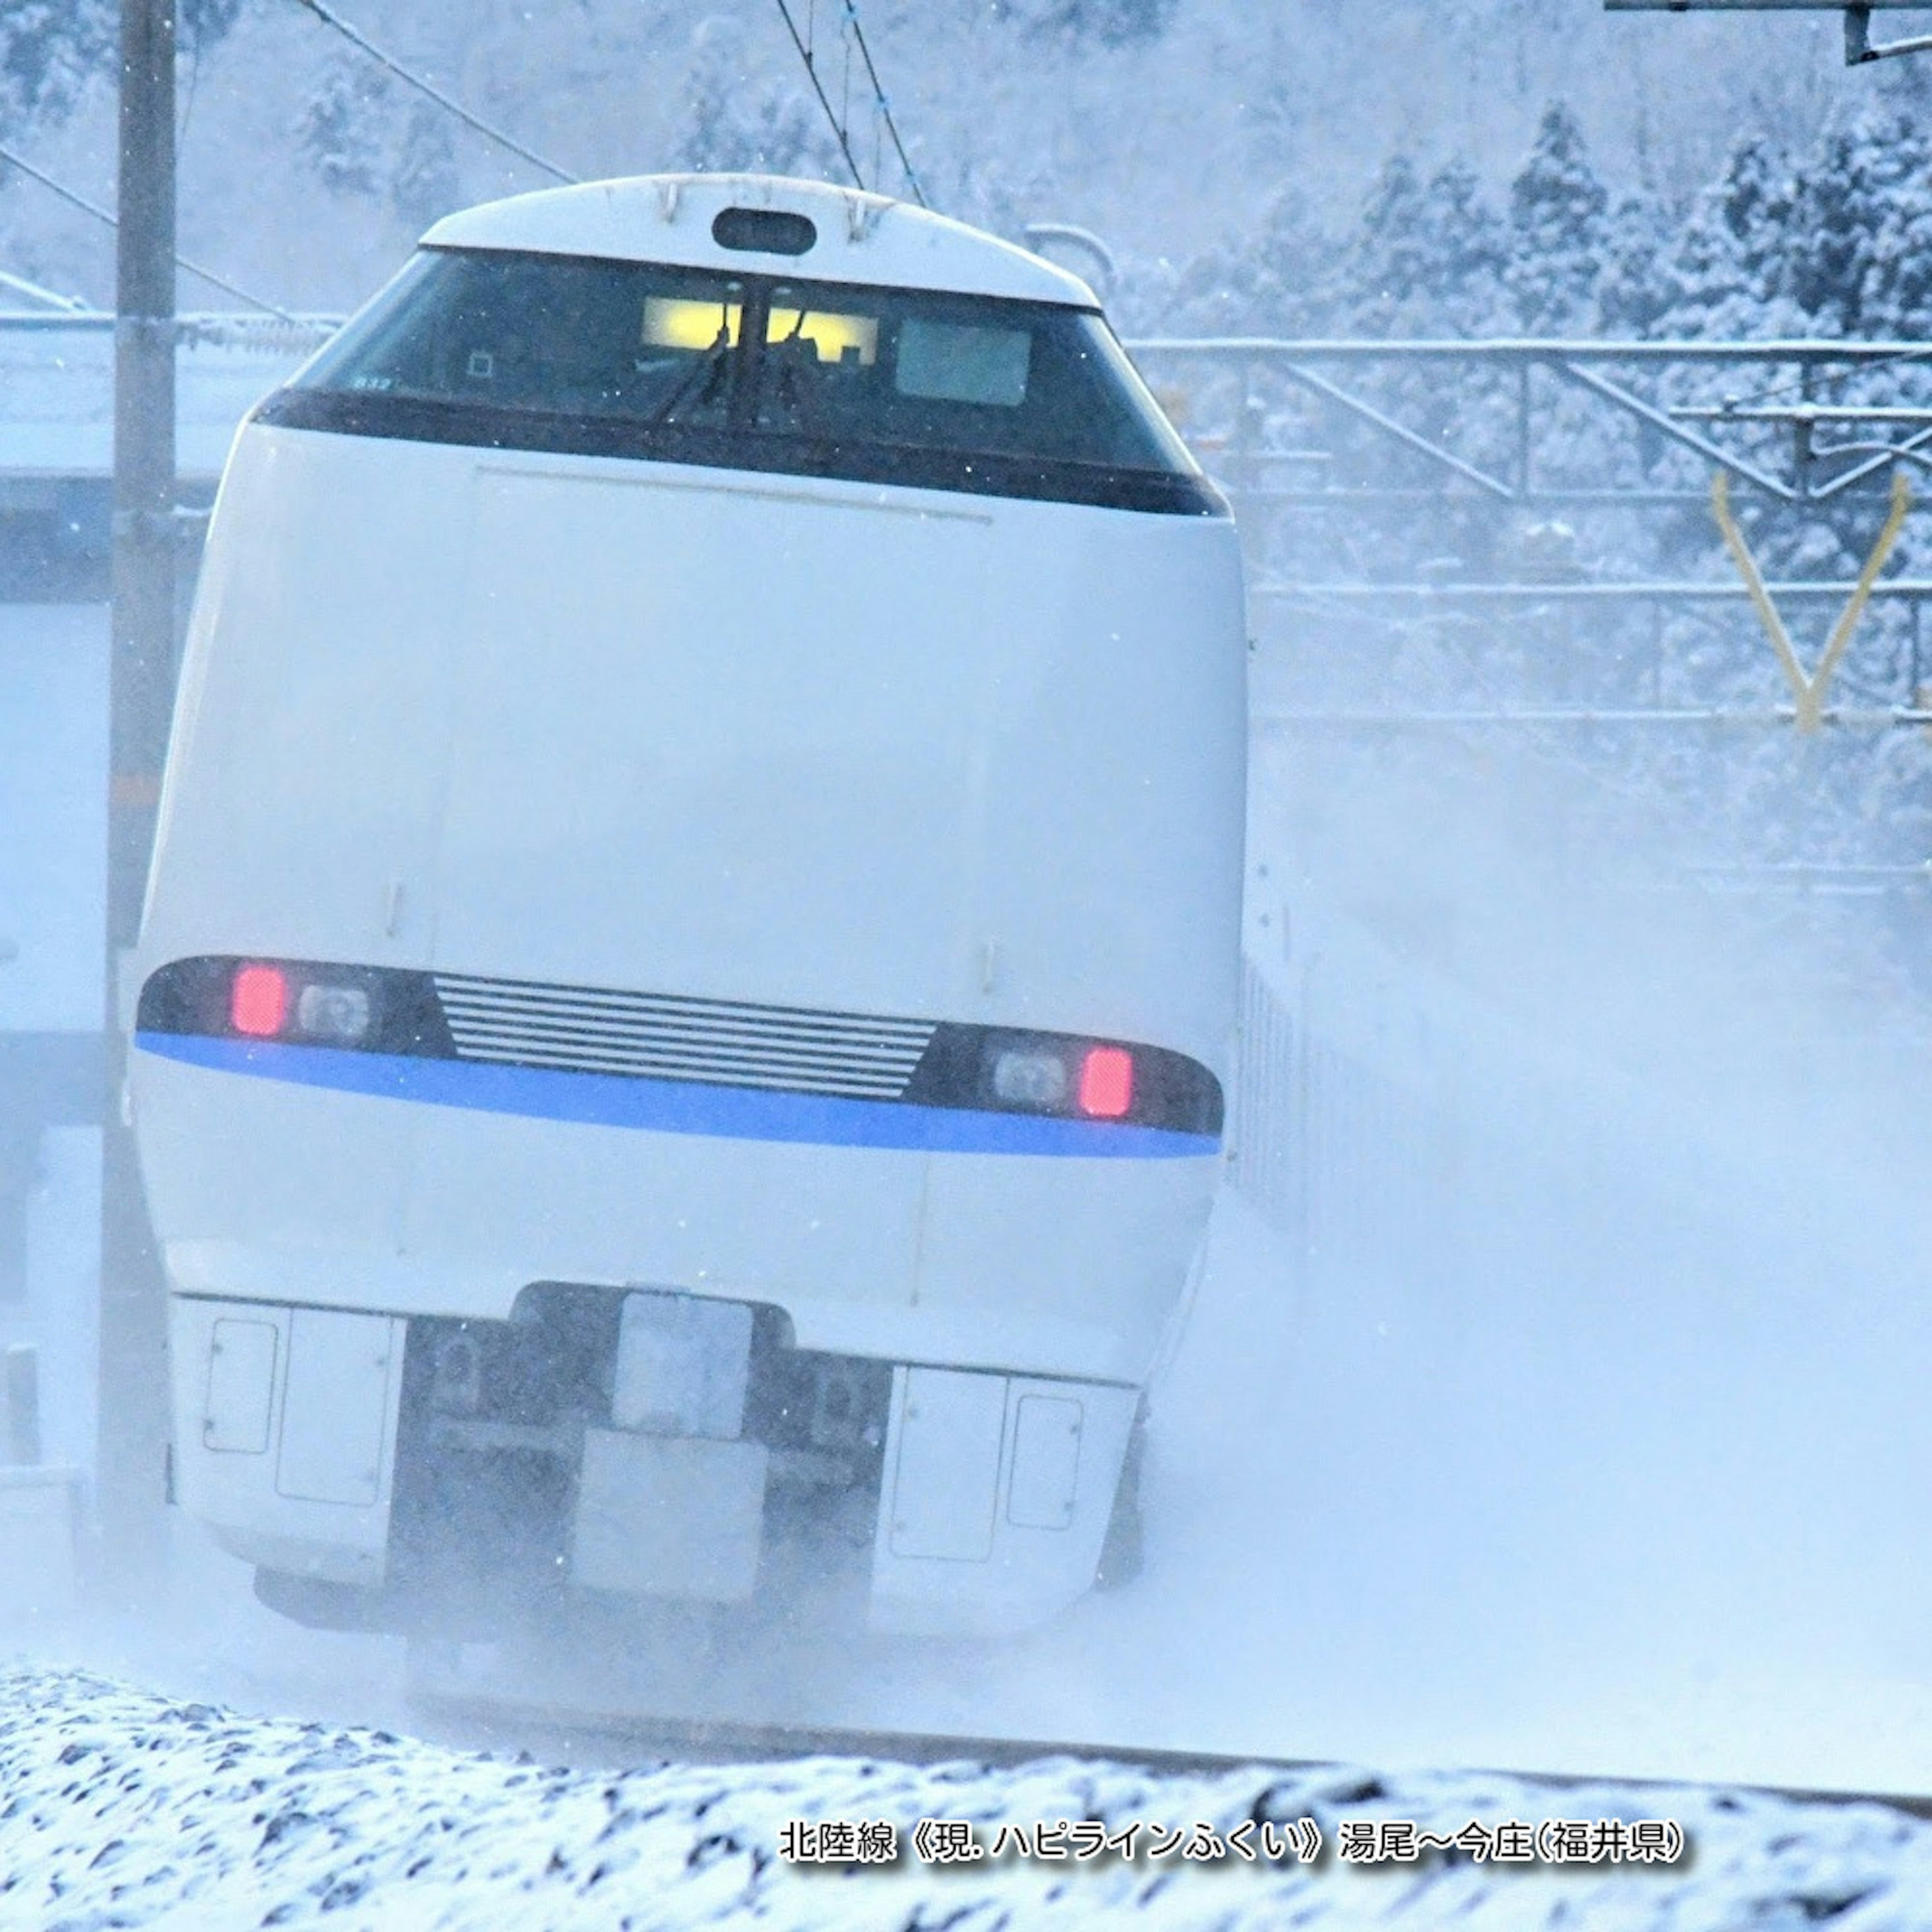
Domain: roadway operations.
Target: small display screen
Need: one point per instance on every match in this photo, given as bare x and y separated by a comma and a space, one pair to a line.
960, 362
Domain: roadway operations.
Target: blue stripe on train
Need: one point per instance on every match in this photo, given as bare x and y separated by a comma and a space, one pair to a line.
674, 1106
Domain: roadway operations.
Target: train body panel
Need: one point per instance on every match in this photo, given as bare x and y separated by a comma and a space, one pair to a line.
1001, 719
860, 237
304, 767
598, 889
984, 1260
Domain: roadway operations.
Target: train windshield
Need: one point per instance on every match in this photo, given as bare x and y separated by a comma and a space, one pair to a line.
947, 391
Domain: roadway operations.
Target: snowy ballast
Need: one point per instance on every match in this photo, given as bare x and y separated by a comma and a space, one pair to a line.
121, 1809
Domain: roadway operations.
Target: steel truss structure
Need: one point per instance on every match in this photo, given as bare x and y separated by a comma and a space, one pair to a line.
1479, 481
1860, 47
1520, 491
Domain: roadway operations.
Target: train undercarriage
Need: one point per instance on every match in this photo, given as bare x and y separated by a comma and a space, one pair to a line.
465, 1479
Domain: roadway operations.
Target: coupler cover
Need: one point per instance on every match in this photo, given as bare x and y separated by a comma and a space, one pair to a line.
669, 1516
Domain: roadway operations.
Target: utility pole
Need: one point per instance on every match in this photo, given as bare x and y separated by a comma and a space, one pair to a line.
133, 1427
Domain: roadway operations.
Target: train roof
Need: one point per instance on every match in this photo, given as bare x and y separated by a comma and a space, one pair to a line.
861, 238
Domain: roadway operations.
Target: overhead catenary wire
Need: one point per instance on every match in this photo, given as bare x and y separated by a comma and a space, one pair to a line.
841, 125
838, 127
1800, 385
885, 106
107, 217
51, 299
356, 38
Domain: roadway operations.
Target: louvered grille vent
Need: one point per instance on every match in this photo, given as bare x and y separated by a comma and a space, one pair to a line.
658, 1036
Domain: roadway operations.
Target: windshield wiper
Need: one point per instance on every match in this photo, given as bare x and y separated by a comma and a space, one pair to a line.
700, 372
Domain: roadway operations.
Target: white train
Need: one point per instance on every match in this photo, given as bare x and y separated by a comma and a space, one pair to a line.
692, 951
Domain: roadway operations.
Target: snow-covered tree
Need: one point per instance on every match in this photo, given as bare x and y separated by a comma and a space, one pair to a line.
422, 184
1111, 22
1428, 256
50, 49
364, 136
1828, 244
1754, 201
338, 128
1864, 198
1391, 262
1559, 227
1701, 277
1281, 281
1632, 292
1895, 295
1837, 242
735, 122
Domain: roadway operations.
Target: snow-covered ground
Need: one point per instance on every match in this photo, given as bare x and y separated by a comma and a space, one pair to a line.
1349, 1558
118, 1808
177, 1805
1638, 1492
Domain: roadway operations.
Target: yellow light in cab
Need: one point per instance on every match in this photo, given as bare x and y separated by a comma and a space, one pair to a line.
830, 335
672, 322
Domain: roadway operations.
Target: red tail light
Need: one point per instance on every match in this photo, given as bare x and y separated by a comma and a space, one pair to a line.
258, 1003
1106, 1082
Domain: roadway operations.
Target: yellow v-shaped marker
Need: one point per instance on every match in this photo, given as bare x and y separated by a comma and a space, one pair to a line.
1809, 691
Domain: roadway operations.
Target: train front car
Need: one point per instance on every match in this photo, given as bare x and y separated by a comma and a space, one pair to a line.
691, 953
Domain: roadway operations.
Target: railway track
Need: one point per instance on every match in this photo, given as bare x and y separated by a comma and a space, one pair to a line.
571, 1735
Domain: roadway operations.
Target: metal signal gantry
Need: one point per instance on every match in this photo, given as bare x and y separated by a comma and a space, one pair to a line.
1528, 485
1859, 46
